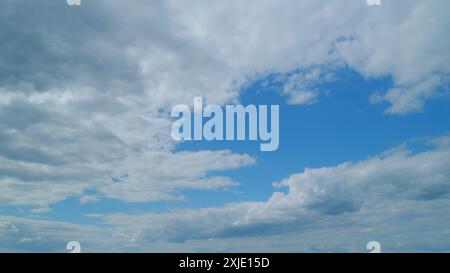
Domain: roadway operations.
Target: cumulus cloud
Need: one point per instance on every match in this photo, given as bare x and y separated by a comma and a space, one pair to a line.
167, 51
80, 106
399, 198
394, 186
56, 146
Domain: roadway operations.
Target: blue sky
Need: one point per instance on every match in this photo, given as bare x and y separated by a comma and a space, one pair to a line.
343, 126
86, 152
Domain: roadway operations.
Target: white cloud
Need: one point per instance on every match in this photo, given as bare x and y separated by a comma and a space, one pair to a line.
301, 87
398, 198
384, 193
88, 199
55, 145
207, 48
171, 173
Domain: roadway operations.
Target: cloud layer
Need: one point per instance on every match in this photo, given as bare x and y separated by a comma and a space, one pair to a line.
393, 196
85, 92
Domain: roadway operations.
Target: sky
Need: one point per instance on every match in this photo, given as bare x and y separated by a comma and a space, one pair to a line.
86, 153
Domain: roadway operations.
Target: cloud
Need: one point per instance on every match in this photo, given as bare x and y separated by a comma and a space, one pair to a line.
402, 40
54, 146
84, 94
381, 196
88, 198
79, 106
398, 198
168, 51
172, 173
36, 235
302, 87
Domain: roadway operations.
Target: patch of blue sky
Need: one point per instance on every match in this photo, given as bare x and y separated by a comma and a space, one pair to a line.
343, 125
